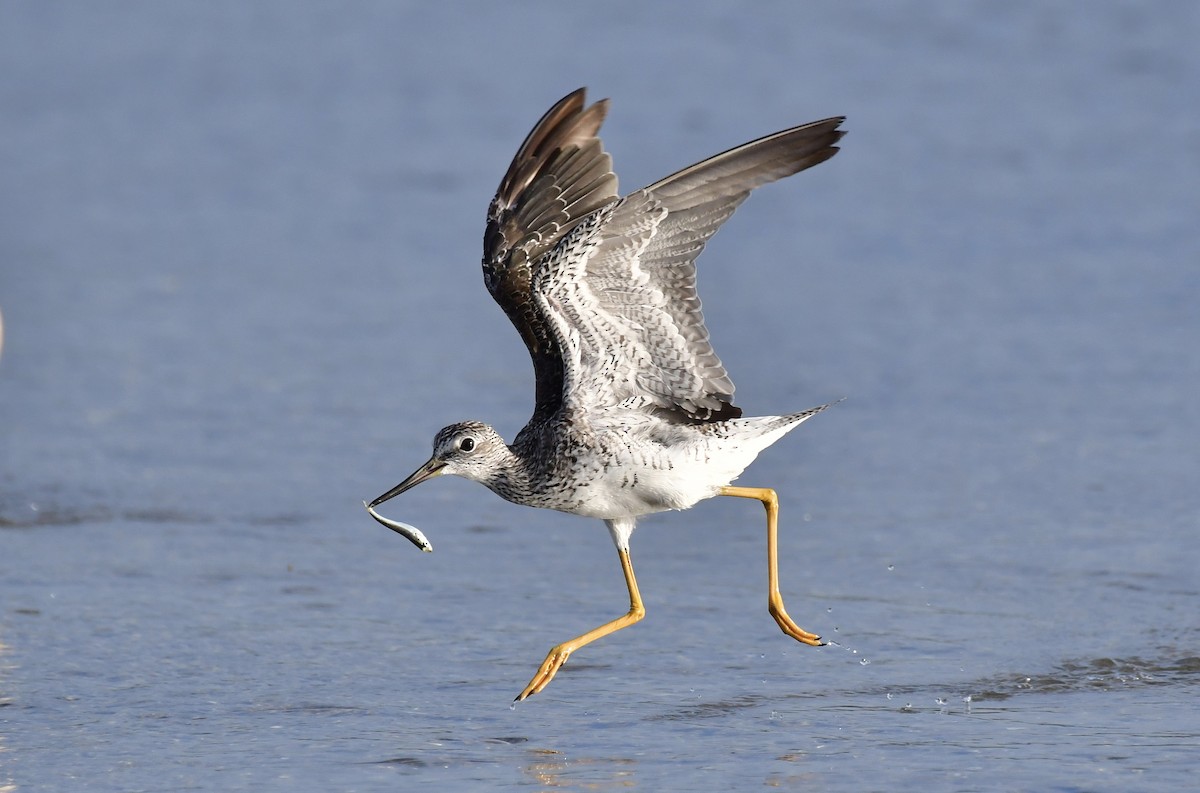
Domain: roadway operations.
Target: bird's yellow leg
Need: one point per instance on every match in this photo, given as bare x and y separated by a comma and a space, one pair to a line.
558, 655
774, 600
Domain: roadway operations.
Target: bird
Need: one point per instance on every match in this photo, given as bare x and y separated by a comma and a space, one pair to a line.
633, 410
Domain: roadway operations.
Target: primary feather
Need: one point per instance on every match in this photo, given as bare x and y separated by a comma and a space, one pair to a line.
602, 289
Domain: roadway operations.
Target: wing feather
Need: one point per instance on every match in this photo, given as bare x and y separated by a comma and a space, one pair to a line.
603, 290
644, 339
560, 174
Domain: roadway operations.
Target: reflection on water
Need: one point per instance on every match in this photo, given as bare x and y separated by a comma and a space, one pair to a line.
552, 769
555, 770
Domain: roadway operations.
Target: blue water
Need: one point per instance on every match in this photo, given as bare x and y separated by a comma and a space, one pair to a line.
239, 278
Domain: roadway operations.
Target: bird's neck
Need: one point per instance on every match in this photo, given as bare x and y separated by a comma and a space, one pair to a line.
512, 479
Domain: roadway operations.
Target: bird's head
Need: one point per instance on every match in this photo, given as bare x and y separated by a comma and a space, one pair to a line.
470, 449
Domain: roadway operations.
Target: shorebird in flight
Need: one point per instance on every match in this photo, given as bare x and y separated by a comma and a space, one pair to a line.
634, 411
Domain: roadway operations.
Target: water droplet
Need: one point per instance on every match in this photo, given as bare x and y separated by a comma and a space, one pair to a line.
891, 567
889, 696
865, 661
940, 701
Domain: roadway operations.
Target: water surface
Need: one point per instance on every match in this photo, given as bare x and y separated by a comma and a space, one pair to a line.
239, 275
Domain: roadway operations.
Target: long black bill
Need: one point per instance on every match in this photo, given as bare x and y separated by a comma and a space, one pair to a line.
427, 471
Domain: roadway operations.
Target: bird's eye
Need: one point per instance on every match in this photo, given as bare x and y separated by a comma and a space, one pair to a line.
466, 444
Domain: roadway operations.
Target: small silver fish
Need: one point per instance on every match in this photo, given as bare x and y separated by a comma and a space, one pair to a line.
414, 535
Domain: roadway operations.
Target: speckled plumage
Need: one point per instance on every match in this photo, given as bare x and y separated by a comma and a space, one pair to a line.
634, 411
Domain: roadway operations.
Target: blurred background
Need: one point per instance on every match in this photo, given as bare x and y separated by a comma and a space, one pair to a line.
239, 276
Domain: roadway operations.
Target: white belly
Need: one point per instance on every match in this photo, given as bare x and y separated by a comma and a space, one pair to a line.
634, 485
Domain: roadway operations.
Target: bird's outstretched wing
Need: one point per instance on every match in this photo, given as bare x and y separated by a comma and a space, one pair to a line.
560, 175
606, 298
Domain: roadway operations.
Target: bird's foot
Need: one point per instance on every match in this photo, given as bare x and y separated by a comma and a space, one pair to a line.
788, 626
549, 668
545, 673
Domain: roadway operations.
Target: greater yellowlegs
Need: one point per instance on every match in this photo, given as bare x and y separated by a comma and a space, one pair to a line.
634, 411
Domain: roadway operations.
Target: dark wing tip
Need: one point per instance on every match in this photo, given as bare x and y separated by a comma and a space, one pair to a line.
567, 122
559, 175
743, 168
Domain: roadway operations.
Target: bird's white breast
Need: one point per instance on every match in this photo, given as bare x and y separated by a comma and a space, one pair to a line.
642, 475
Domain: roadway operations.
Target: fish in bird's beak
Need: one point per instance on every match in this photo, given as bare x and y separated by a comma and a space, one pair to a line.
414, 535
